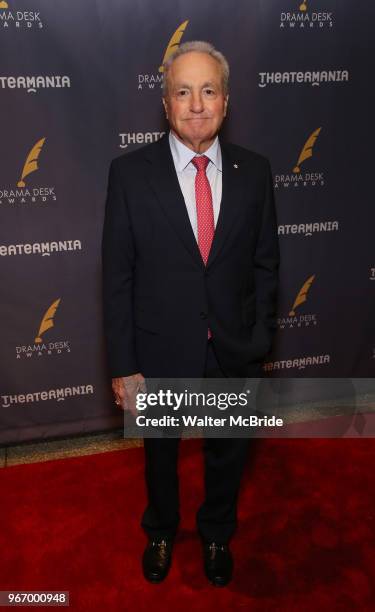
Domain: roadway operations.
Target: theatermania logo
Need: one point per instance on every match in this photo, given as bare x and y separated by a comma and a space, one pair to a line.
149, 81
59, 394
138, 138
305, 229
32, 84
310, 77
45, 249
41, 346
298, 319
305, 16
27, 20
299, 176
297, 363
24, 191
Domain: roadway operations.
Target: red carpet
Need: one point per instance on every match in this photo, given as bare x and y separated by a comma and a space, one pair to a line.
305, 540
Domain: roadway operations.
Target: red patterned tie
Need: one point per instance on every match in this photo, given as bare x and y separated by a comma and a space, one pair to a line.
205, 211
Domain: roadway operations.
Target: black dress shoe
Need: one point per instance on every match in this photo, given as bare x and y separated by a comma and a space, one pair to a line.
157, 559
218, 563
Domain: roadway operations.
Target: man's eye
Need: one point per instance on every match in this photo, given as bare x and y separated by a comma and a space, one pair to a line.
182, 92
209, 92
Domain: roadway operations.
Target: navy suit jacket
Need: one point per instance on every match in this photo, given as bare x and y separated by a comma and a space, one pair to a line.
159, 297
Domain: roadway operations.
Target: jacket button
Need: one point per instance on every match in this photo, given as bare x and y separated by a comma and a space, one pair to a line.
203, 315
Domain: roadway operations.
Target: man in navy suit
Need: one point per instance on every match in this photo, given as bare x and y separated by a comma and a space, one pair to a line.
190, 268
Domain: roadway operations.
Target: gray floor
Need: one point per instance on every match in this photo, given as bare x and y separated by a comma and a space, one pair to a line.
65, 448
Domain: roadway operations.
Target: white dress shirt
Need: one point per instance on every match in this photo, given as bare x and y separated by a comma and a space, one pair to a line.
186, 172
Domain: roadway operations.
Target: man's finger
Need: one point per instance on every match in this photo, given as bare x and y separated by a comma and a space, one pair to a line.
142, 386
131, 402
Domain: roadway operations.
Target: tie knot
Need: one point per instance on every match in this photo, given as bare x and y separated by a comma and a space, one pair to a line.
200, 162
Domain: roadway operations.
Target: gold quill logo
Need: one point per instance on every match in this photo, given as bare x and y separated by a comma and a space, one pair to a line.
302, 295
307, 150
173, 43
47, 321
31, 163
303, 6
4, 5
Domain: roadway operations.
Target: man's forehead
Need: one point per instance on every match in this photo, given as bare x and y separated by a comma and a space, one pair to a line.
185, 82
196, 63
193, 75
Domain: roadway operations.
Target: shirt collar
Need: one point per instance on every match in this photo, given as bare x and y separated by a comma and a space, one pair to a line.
182, 155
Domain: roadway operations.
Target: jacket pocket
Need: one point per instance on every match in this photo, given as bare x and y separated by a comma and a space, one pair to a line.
147, 320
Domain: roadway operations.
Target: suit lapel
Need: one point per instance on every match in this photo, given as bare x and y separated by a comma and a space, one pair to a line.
231, 201
164, 181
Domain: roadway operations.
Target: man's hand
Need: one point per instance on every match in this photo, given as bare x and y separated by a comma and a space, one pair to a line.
125, 390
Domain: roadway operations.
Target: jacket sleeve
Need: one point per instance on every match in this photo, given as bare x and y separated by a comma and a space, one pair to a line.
266, 267
118, 258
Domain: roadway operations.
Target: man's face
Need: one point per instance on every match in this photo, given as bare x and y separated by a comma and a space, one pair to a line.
195, 103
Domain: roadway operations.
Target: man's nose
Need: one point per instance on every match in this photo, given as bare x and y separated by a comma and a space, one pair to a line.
196, 105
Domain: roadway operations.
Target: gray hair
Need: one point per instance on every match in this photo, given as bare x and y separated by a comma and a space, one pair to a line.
198, 46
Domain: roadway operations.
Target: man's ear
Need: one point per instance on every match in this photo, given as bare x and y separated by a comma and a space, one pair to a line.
226, 104
165, 104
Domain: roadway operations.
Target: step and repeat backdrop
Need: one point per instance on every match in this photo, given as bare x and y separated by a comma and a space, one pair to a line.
80, 83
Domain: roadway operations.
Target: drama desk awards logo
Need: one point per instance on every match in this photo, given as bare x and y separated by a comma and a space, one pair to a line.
24, 192
19, 19
306, 16
41, 346
148, 81
295, 319
298, 177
